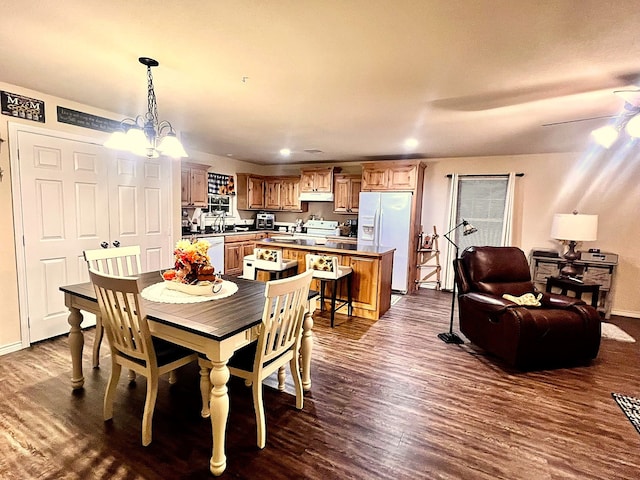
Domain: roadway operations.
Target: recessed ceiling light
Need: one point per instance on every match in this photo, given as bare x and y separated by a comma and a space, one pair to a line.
410, 143
285, 152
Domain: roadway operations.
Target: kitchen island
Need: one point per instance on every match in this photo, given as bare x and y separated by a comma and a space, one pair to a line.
372, 268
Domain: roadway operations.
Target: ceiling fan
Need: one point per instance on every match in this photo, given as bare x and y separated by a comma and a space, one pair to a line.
628, 120
631, 108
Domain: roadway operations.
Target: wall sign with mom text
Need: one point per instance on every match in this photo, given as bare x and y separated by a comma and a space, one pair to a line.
19, 106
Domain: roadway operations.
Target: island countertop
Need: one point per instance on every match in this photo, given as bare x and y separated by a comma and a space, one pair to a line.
329, 246
372, 267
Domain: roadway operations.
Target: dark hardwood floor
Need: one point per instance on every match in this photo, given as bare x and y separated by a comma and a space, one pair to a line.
389, 401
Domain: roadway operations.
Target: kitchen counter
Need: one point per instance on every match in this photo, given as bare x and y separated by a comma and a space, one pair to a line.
230, 232
372, 269
344, 247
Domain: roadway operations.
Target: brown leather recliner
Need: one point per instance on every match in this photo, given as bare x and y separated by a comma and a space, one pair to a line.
562, 331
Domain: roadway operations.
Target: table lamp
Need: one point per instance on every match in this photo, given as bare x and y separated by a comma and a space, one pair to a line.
573, 228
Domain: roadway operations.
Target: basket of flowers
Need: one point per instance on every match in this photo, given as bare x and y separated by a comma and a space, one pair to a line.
193, 272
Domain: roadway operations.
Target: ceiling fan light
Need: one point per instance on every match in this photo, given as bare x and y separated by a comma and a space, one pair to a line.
633, 127
605, 136
170, 145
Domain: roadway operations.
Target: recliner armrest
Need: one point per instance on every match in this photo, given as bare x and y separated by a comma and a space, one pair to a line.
488, 303
555, 300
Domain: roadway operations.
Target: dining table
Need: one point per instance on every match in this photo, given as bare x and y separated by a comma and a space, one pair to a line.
216, 328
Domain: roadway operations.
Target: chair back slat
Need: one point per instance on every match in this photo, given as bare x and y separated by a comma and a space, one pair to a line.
123, 315
121, 261
282, 316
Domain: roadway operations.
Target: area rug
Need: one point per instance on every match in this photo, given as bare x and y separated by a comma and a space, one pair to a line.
613, 332
630, 407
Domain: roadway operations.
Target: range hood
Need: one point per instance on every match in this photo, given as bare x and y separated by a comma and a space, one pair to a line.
316, 197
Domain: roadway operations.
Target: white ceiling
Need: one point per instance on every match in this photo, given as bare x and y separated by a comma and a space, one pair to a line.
353, 79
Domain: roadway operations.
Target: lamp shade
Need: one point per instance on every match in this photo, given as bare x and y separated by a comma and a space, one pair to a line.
576, 227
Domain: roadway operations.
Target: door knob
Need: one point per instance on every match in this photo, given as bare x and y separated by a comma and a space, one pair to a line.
104, 244
116, 244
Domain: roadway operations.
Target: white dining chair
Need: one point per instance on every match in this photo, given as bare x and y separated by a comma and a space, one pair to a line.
131, 343
278, 344
120, 261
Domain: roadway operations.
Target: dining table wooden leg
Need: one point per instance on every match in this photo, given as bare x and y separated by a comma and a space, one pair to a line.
76, 344
219, 410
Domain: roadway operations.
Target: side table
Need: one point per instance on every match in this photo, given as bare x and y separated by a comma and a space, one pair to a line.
567, 285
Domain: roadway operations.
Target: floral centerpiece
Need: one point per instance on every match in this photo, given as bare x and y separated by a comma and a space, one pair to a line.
192, 262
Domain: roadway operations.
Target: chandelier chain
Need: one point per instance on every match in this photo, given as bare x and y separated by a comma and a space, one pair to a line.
152, 104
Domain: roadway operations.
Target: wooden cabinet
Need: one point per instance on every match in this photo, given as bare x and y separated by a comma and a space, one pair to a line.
290, 194
233, 259
347, 193
194, 185
316, 180
236, 247
594, 271
272, 194
384, 176
365, 282
282, 193
269, 193
250, 192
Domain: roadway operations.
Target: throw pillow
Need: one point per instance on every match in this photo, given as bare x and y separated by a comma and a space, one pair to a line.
527, 299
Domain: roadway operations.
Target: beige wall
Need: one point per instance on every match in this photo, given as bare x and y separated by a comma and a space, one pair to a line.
606, 185
10, 335
603, 184
10, 325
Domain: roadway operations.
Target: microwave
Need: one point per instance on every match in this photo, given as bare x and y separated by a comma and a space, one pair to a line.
265, 221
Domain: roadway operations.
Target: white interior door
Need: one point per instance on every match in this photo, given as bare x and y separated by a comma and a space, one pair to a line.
75, 195
139, 207
64, 196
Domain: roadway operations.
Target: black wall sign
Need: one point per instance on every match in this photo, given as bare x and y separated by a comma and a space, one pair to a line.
86, 120
20, 106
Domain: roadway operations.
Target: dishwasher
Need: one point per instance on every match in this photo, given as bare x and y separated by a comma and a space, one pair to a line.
216, 252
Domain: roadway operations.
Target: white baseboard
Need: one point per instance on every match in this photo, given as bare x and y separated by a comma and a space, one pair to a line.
626, 313
10, 348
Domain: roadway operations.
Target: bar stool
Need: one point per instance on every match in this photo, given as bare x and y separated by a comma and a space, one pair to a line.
270, 260
326, 269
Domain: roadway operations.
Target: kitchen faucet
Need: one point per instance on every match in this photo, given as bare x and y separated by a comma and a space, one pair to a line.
218, 223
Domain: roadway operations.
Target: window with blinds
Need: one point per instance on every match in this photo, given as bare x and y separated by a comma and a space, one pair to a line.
482, 202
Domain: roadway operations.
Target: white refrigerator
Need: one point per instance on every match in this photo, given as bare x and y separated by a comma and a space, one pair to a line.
384, 219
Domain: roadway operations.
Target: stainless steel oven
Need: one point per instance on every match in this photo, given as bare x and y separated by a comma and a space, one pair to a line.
265, 221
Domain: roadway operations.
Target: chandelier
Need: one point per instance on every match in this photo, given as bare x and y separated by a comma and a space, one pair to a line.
145, 135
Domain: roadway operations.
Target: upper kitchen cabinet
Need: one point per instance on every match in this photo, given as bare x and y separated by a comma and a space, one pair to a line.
194, 184
282, 193
251, 192
316, 180
389, 176
347, 193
